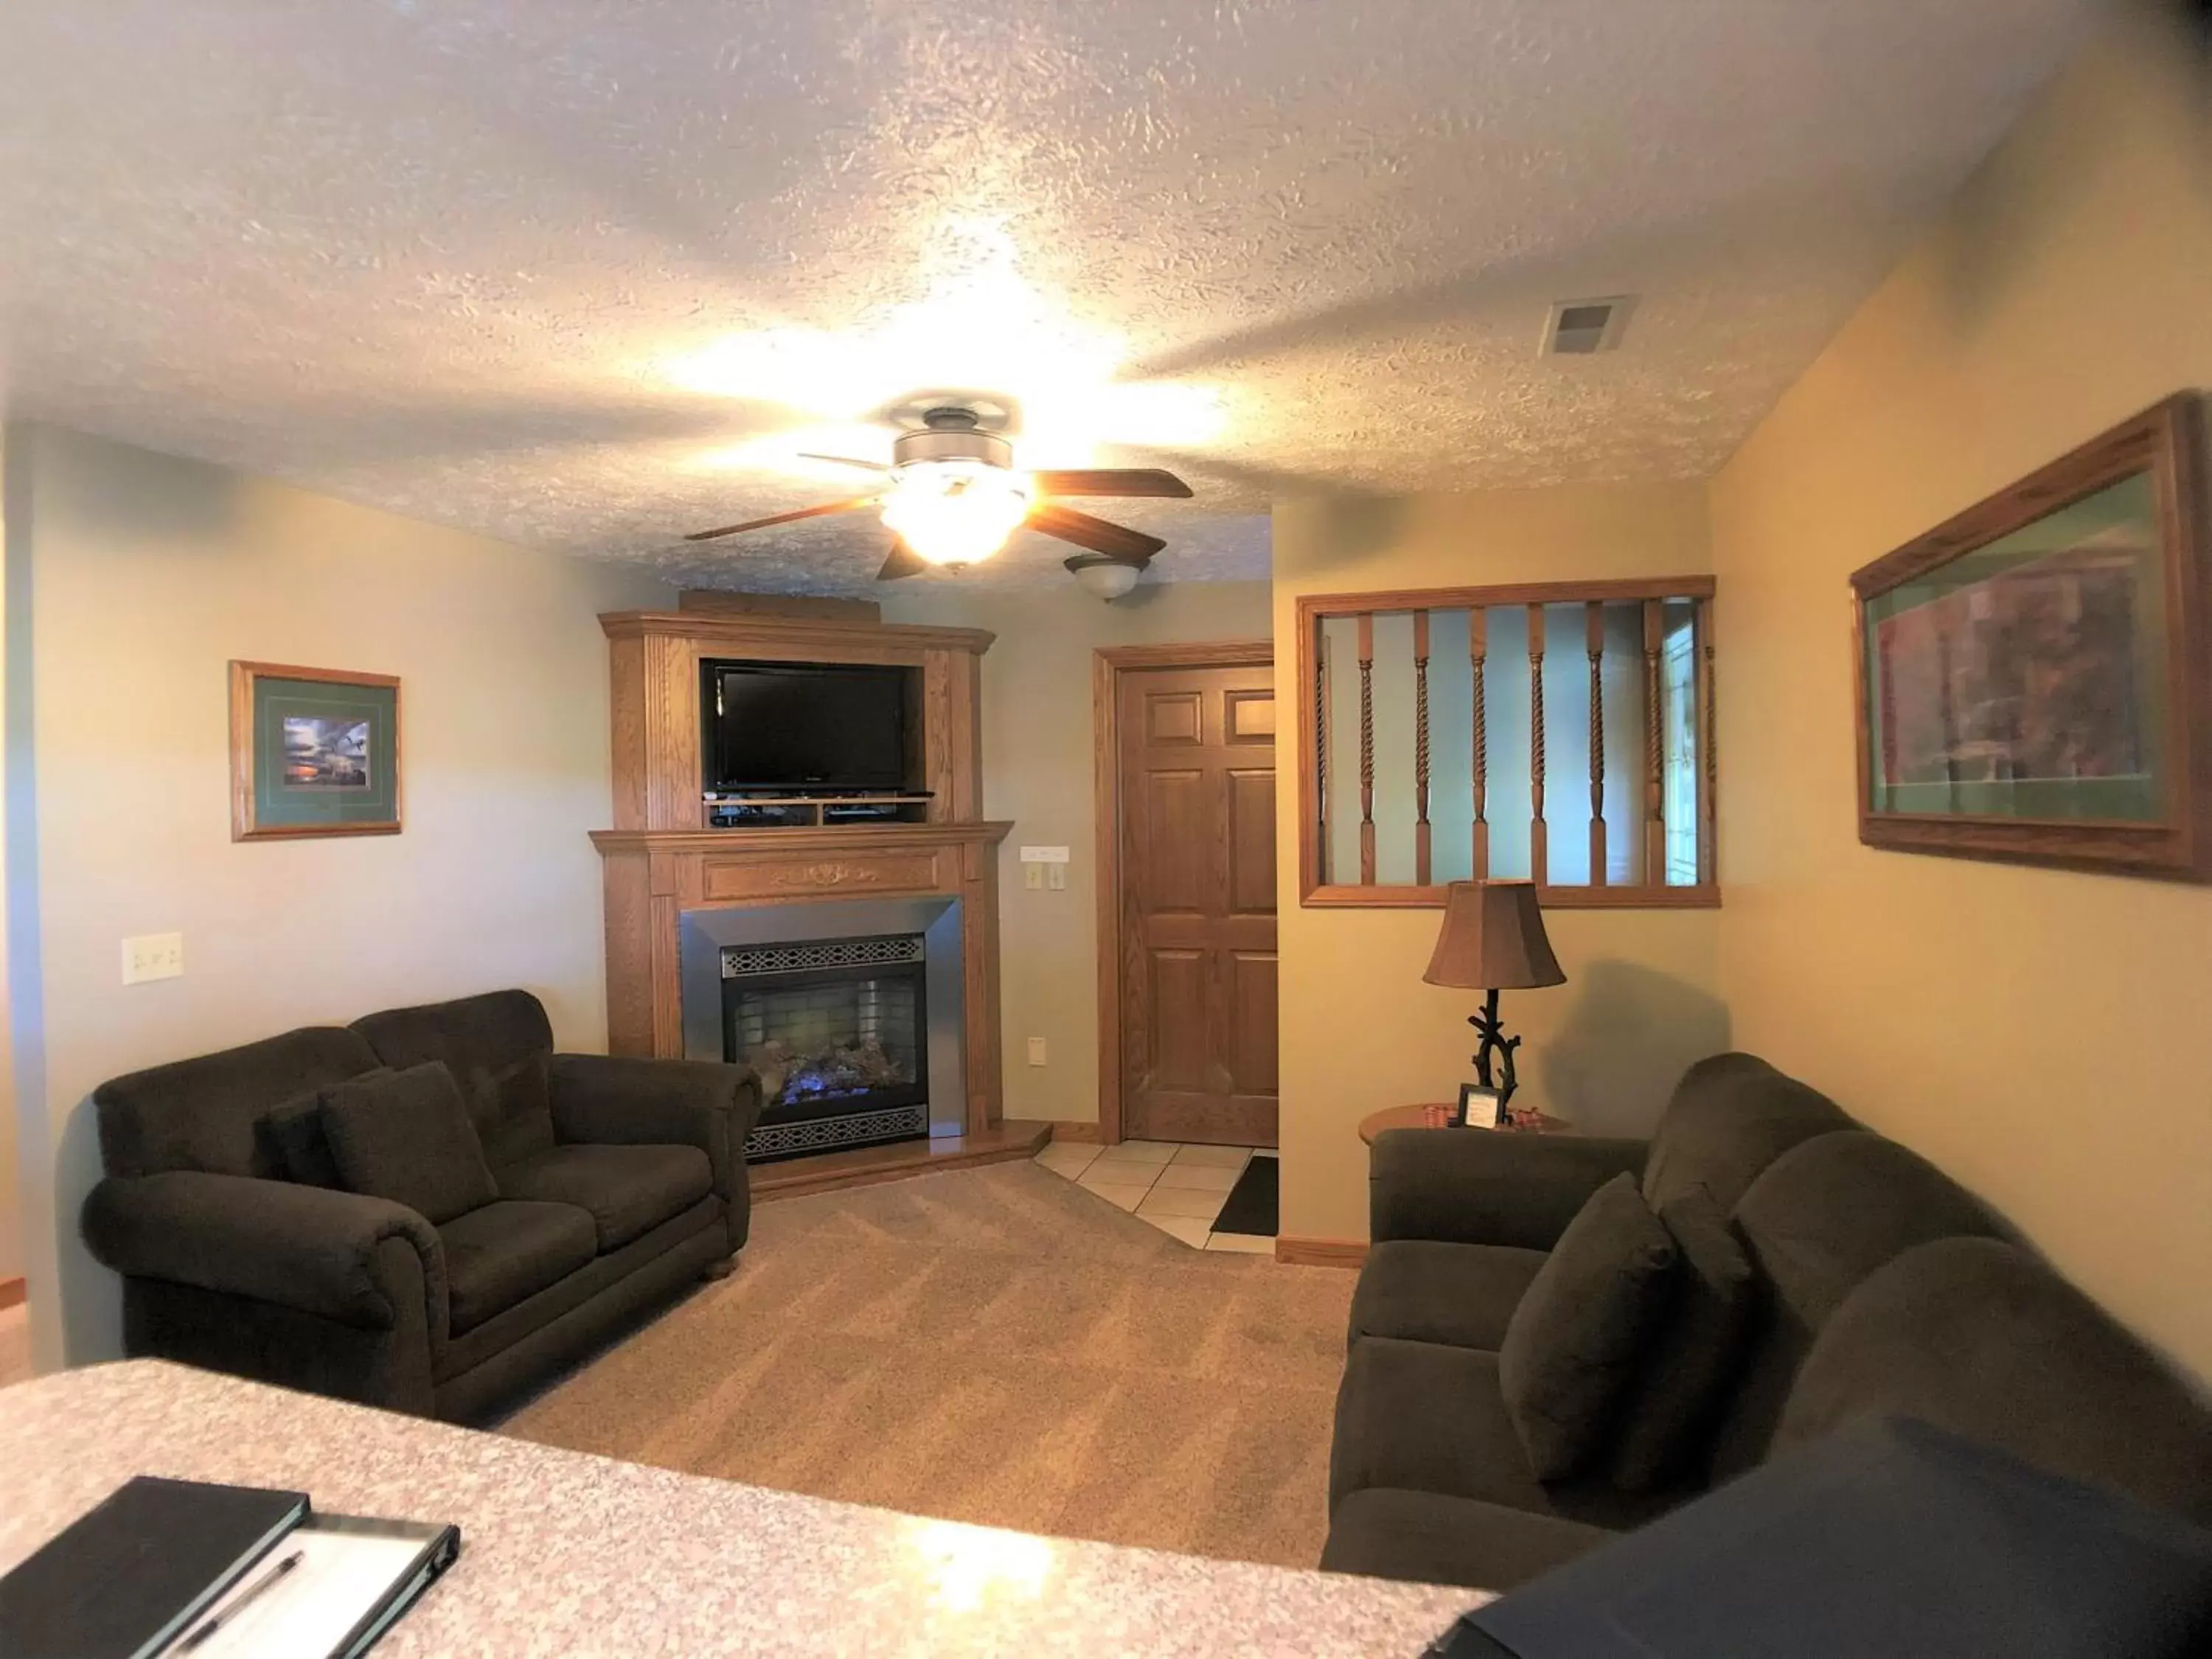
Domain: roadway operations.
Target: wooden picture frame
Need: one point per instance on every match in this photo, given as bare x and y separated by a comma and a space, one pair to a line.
2032, 678
313, 751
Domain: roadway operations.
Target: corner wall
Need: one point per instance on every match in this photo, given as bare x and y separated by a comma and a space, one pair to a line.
1038, 771
1359, 1028
134, 579
2045, 1037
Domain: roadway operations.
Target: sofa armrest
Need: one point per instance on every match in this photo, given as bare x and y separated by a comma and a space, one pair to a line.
606, 1100
1488, 1186
310, 1249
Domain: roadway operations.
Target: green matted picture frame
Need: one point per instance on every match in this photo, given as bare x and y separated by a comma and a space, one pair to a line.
313, 751
2034, 677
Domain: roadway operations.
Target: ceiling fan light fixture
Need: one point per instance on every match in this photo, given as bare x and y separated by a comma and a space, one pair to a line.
956, 511
1101, 577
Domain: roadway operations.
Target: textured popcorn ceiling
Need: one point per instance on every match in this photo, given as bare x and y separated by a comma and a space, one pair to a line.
583, 274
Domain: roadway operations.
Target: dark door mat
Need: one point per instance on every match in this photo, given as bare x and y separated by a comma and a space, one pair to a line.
1254, 1203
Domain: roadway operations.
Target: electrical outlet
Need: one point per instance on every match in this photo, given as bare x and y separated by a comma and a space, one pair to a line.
1033, 876
1056, 876
153, 956
1036, 1051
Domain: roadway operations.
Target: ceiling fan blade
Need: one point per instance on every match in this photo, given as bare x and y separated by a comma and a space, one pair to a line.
902, 561
853, 505
1115, 541
1127, 481
844, 460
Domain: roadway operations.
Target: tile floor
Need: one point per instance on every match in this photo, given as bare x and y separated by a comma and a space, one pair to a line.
1178, 1189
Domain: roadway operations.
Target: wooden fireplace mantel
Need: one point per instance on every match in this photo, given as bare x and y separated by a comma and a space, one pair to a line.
661, 860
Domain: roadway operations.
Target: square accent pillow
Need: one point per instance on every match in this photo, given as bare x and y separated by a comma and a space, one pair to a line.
1697, 1351
1572, 1345
406, 1136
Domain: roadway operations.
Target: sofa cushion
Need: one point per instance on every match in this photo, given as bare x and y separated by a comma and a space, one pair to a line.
1428, 1291
1977, 1337
1426, 1538
1685, 1376
1574, 1340
1426, 1418
1823, 1217
1728, 1118
626, 1190
204, 1113
498, 1256
406, 1136
497, 1046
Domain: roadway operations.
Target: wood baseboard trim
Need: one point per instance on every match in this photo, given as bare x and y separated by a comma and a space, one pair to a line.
13, 1291
1090, 1134
1321, 1252
829, 1171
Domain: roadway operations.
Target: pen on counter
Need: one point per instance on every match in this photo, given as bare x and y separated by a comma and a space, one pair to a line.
252, 1593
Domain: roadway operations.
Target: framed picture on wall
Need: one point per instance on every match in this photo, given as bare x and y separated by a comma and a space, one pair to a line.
2034, 677
313, 751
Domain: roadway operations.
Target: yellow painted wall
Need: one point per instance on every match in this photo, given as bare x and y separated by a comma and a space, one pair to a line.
1037, 771
2045, 1037
145, 576
1359, 1028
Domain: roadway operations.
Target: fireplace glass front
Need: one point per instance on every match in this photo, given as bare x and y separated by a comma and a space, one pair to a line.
837, 1032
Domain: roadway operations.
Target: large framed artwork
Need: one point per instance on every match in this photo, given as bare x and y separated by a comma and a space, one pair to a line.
2034, 677
313, 752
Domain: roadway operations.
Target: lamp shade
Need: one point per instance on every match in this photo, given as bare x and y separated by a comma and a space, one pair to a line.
1492, 938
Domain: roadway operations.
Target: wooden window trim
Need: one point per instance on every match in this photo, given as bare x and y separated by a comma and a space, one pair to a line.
1315, 893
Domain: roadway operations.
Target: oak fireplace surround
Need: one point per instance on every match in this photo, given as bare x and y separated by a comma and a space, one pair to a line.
677, 890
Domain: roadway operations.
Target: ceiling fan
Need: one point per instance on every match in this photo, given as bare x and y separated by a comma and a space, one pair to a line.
951, 497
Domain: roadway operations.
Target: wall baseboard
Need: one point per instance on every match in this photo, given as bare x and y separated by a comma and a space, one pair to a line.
1088, 1134
1321, 1252
13, 1291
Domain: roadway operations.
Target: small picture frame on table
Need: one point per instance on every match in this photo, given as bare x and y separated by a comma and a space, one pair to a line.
1479, 1108
313, 751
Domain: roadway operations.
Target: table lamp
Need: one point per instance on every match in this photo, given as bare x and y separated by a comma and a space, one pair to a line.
1493, 940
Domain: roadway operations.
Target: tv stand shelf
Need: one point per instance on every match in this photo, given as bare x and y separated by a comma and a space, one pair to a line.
814, 811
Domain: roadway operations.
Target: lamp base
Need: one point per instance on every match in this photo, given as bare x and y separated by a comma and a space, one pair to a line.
1494, 1042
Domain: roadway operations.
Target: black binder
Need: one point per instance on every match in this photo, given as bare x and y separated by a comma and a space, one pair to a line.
122, 1580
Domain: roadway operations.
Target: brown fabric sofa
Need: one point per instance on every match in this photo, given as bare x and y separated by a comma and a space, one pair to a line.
1882, 1286
620, 1180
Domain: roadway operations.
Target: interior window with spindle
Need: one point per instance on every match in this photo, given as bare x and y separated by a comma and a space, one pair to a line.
1560, 733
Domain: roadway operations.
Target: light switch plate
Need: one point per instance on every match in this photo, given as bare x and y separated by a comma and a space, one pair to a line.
1055, 877
1033, 876
1044, 855
1036, 1051
153, 956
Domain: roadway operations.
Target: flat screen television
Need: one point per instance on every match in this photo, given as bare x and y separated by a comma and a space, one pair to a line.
791, 727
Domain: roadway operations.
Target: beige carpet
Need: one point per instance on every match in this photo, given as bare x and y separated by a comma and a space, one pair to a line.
993, 1346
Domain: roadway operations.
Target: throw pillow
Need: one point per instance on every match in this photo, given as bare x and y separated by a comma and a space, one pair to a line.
1572, 1344
1697, 1351
406, 1136
296, 1145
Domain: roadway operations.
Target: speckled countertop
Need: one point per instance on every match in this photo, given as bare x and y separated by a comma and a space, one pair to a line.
564, 1554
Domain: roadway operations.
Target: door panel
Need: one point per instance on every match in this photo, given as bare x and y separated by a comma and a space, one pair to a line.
1197, 904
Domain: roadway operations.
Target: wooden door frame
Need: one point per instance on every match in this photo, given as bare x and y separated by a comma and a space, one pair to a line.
1108, 664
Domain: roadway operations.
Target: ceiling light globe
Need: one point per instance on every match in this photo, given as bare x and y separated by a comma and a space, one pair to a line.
956, 511
1102, 578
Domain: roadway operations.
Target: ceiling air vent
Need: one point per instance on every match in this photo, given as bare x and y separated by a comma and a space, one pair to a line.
1577, 327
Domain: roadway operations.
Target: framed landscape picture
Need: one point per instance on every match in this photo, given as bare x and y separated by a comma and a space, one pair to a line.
313, 752
2034, 675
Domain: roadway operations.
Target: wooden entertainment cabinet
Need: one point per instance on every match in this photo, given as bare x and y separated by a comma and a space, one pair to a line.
663, 858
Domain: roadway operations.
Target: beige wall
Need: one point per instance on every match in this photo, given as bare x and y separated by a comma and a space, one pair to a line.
1359, 1028
147, 575
2045, 1037
1037, 772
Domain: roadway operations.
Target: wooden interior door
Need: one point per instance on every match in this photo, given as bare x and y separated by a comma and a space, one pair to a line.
1196, 774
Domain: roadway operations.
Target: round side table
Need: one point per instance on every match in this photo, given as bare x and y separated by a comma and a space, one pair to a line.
1439, 1116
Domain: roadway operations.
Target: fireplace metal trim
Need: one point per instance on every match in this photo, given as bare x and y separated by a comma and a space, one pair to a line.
702, 936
